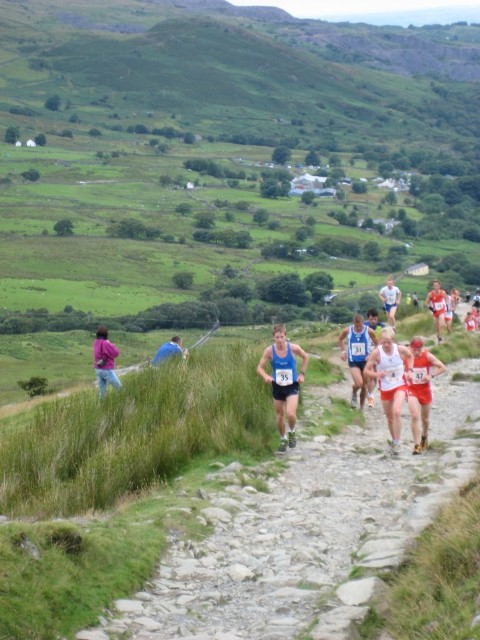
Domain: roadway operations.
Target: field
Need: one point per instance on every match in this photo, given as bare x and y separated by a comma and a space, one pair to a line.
132, 107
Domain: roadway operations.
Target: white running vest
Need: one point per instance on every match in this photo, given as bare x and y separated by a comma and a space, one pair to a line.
393, 365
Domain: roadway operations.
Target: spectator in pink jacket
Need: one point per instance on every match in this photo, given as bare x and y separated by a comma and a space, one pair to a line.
104, 354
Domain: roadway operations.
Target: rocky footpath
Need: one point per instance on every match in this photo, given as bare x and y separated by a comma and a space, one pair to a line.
278, 563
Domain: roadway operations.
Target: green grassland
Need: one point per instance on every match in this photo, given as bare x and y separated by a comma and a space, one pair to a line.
213, 77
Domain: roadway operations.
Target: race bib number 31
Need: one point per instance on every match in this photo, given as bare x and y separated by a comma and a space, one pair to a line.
284, 377
358, 349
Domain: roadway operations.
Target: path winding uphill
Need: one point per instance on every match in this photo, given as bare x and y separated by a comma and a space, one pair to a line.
273, 555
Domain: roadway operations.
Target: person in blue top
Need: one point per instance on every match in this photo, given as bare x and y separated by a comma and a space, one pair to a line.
170, 350
356, 353
285, 382
374, 323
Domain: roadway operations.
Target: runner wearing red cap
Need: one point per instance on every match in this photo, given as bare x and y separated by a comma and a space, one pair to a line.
425, 367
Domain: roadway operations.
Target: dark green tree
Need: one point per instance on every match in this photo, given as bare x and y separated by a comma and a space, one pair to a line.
40, 139
32, 175
184, 208
275, 185
35, 386
12, 134
204, 220
260, 217
53, 103
183, 279
359, 187
165, 180
371, 251
63, 227
233, 311
320, 284
281, 154
284, 289
312, 159
133, 229
307, 197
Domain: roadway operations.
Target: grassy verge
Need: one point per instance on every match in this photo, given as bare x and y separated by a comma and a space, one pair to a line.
116, 467
435, 596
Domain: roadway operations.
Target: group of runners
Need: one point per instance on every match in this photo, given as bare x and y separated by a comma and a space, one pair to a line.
402, 373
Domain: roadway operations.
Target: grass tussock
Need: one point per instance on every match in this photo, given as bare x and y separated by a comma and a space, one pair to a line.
435, 596
78, 454
460, 345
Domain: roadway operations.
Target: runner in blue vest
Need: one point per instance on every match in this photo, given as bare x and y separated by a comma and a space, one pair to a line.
356, 353
285, 382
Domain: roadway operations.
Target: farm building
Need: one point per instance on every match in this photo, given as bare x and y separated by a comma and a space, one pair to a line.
420, 269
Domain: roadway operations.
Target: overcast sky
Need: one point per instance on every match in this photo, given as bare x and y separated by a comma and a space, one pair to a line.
322, 10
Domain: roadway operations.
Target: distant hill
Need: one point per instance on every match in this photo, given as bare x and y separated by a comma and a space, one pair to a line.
418, 18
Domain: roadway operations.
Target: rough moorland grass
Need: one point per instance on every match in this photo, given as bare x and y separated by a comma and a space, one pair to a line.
65, 359
82, 567
78, 454
434, 596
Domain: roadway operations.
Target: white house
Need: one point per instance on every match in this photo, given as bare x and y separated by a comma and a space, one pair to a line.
309, 182
419, 269
31, 143
18, 143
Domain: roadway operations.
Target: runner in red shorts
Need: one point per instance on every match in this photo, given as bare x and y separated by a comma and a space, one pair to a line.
425, 367
386, 364
437, 302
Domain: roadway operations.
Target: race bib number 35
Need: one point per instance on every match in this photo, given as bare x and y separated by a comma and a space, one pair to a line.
284, 377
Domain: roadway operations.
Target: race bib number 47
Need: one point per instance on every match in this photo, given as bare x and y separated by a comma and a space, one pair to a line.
419, 375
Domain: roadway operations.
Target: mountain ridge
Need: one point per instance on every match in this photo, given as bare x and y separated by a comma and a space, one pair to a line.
451, 51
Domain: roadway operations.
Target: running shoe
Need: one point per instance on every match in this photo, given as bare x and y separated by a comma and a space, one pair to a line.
417, 450
283, 447
292, 439
424, 443
354, 401
396, 449
371, 402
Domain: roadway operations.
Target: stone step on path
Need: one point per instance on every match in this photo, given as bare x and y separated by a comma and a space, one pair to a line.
278, 563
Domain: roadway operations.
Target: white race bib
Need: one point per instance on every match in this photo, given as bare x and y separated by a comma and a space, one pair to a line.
395, 374
438, 306
284, 377
358, 348
418, 375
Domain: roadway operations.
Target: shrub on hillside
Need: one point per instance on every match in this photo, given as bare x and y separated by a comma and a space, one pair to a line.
35, 386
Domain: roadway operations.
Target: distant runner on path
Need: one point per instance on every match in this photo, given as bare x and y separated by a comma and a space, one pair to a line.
285, 382
437, 302
386, 364
390, 295
425, 367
